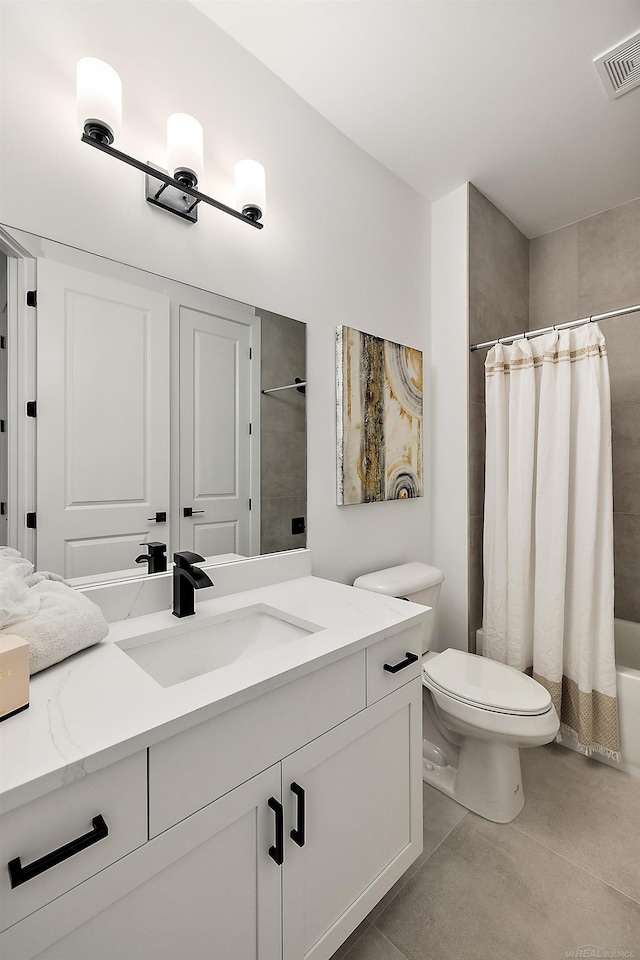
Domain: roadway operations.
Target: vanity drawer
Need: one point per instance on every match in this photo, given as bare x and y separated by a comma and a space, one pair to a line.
48, 825
391, 663
193, 768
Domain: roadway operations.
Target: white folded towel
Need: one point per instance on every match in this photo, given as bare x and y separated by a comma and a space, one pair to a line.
17, 601
14, 566
9, 552
65, 622
41, 575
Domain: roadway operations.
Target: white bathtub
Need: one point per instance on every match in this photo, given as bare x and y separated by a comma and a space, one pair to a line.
627, 637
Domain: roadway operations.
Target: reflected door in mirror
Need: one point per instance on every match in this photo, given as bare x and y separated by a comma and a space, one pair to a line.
103, 419
215, 436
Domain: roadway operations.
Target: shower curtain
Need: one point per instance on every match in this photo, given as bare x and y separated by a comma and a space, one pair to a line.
548, 526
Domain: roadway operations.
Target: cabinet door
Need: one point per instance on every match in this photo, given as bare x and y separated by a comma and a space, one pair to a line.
205, 888
362, 822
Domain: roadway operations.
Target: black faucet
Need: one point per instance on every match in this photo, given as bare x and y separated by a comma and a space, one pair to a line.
186, 580
156, 558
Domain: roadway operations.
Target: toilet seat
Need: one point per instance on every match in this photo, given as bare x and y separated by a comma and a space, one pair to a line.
485, 684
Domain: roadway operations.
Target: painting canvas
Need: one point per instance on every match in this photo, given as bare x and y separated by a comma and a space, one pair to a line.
379, 386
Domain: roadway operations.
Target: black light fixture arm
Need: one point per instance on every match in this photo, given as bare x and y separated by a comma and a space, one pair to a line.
169, 181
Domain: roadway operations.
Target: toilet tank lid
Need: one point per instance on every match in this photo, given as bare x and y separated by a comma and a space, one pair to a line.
402, 580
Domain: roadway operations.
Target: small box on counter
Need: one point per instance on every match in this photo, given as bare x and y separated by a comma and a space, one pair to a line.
14, 675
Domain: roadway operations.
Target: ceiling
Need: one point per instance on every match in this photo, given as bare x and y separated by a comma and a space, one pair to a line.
499, 92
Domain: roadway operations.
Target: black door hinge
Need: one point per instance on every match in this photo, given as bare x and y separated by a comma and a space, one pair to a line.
30, 521
249, 503
250, 353
32, 408
250, 429
32, 298
2, 426
3, 343
3, 508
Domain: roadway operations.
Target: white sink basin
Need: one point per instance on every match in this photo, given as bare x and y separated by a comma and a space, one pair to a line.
196, 646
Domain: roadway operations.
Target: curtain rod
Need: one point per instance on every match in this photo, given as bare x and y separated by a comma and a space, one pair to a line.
528, 334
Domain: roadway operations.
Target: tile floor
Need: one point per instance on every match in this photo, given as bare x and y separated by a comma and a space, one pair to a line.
564, 875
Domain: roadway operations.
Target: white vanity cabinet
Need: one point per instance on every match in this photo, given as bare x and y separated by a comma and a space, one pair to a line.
56, 842
250, 858
204, 889
360, 815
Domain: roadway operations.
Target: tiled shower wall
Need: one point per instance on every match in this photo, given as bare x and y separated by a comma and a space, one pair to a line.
498, 306
282, 434
586, 268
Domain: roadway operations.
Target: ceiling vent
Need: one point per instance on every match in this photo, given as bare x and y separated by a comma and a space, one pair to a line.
619, 69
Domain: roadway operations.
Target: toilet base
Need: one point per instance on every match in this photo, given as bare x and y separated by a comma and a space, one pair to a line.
487, 779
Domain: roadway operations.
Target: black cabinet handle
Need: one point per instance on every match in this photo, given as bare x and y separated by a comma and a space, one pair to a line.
298, 833
277, 851
411, 658
20, 874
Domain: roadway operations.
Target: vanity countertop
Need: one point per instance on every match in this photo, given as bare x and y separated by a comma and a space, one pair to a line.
99, 706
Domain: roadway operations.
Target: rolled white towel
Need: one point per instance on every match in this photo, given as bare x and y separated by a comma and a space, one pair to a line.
65, 623
15, 566
17, 601
41, 575
9, 552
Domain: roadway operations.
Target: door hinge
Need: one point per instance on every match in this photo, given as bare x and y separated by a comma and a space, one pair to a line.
249, 503
2, 426
30, 521
32, 298
3, 343
250, 429
3, 508
250, 353
32, 408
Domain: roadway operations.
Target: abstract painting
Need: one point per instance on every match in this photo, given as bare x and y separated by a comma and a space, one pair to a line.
379, 399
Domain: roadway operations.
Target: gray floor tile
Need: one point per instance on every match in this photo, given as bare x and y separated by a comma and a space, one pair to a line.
372, 945
489, 892
440, 815
342, 951
586, 811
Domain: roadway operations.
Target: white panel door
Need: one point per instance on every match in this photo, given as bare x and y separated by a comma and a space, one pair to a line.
362, 819
215, 442
103, 420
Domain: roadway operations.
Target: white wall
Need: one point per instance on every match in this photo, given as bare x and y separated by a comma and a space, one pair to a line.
345, 242
450, 346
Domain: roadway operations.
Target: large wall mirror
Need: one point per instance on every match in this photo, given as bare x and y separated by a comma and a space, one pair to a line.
163, 414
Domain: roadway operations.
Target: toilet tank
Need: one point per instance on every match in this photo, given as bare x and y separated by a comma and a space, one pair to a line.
415, 581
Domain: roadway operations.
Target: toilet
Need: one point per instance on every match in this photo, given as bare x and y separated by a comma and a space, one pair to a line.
477, 713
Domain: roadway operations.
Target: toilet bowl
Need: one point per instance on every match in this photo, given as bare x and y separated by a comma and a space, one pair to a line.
492, 711
477, 713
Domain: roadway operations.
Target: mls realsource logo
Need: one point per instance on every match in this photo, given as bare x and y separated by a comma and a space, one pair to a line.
589, 951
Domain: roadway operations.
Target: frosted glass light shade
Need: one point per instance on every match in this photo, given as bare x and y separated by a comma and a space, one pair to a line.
250, 188
184, 146
99, 97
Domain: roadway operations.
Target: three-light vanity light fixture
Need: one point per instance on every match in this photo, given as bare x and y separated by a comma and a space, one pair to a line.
99, 92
